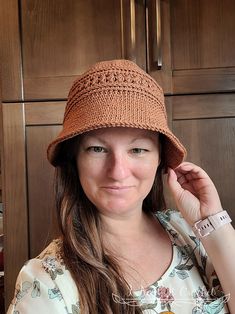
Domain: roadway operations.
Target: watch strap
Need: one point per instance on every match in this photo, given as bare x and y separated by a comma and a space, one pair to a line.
204, 227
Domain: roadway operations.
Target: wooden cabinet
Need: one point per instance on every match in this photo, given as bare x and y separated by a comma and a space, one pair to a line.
197, 46
60, 41
203, 46
206, 125
51, 43
187, 46
46, 44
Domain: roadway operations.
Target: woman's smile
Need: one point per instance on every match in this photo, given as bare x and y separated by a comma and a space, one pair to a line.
117, 189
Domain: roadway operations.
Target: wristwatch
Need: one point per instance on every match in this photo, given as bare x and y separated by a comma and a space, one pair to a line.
204, 227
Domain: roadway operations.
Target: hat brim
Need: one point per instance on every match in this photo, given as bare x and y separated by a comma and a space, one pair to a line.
118, 110
174, 151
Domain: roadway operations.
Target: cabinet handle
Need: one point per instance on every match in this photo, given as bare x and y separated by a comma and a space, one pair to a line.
156, 38
132, 31
128, 21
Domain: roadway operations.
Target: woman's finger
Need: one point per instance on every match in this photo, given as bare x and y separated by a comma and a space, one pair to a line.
182, 180
195, 171
173, 183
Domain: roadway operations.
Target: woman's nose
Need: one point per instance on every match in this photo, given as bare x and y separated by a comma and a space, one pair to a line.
118, 167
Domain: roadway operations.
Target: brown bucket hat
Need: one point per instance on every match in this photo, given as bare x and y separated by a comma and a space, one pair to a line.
116, 93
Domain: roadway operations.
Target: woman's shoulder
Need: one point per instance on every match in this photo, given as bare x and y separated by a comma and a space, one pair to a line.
49, 261
178, 228
174, 218
50, 257
54, 248
45, 281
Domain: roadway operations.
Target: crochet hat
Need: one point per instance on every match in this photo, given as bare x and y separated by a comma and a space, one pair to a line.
116, 93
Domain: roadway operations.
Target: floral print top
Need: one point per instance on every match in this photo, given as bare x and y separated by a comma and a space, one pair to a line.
189, 285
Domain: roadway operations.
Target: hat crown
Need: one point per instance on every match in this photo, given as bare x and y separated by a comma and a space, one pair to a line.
116, 93
115, 76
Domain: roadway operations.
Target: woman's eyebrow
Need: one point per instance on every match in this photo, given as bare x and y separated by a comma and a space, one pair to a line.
94, 137
101, 140
144, 137
131, 141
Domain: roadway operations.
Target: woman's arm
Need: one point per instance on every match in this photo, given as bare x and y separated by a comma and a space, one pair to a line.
197, 198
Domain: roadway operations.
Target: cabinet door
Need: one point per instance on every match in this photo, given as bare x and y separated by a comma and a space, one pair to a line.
62, 39
14, 194
29, 211
203, 45
191, 45
42, 225
11, 87
45, 45
206, 124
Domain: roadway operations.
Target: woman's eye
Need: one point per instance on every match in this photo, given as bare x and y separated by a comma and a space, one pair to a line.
138, 150
96, 149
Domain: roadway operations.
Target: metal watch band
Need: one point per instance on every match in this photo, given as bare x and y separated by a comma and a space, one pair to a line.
204, 227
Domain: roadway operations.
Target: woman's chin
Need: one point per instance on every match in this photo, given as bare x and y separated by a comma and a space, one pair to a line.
119, 209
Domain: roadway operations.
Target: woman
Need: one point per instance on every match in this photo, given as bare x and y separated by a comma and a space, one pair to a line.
120, 250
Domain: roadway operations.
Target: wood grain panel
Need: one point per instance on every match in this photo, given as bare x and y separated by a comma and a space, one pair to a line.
43, 121
202, 34
211, 145
14, 194
203, 106
62, 39
203, 46
203, 80
45, 88
42, 218
168, 197
10, 52
169, 110
42, 113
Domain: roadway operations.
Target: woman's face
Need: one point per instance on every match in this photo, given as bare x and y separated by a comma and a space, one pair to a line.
117, 167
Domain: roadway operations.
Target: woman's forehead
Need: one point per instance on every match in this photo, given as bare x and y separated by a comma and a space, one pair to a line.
122, 132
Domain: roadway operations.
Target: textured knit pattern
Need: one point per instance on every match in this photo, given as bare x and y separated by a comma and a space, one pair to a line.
189, 285
116, 93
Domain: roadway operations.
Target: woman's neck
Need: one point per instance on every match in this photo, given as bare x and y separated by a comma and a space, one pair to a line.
129, 228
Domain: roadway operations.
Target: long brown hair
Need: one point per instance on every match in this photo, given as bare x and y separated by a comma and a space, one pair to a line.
96, 271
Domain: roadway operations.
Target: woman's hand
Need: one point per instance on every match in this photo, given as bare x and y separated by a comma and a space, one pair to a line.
194, 192
197, 198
